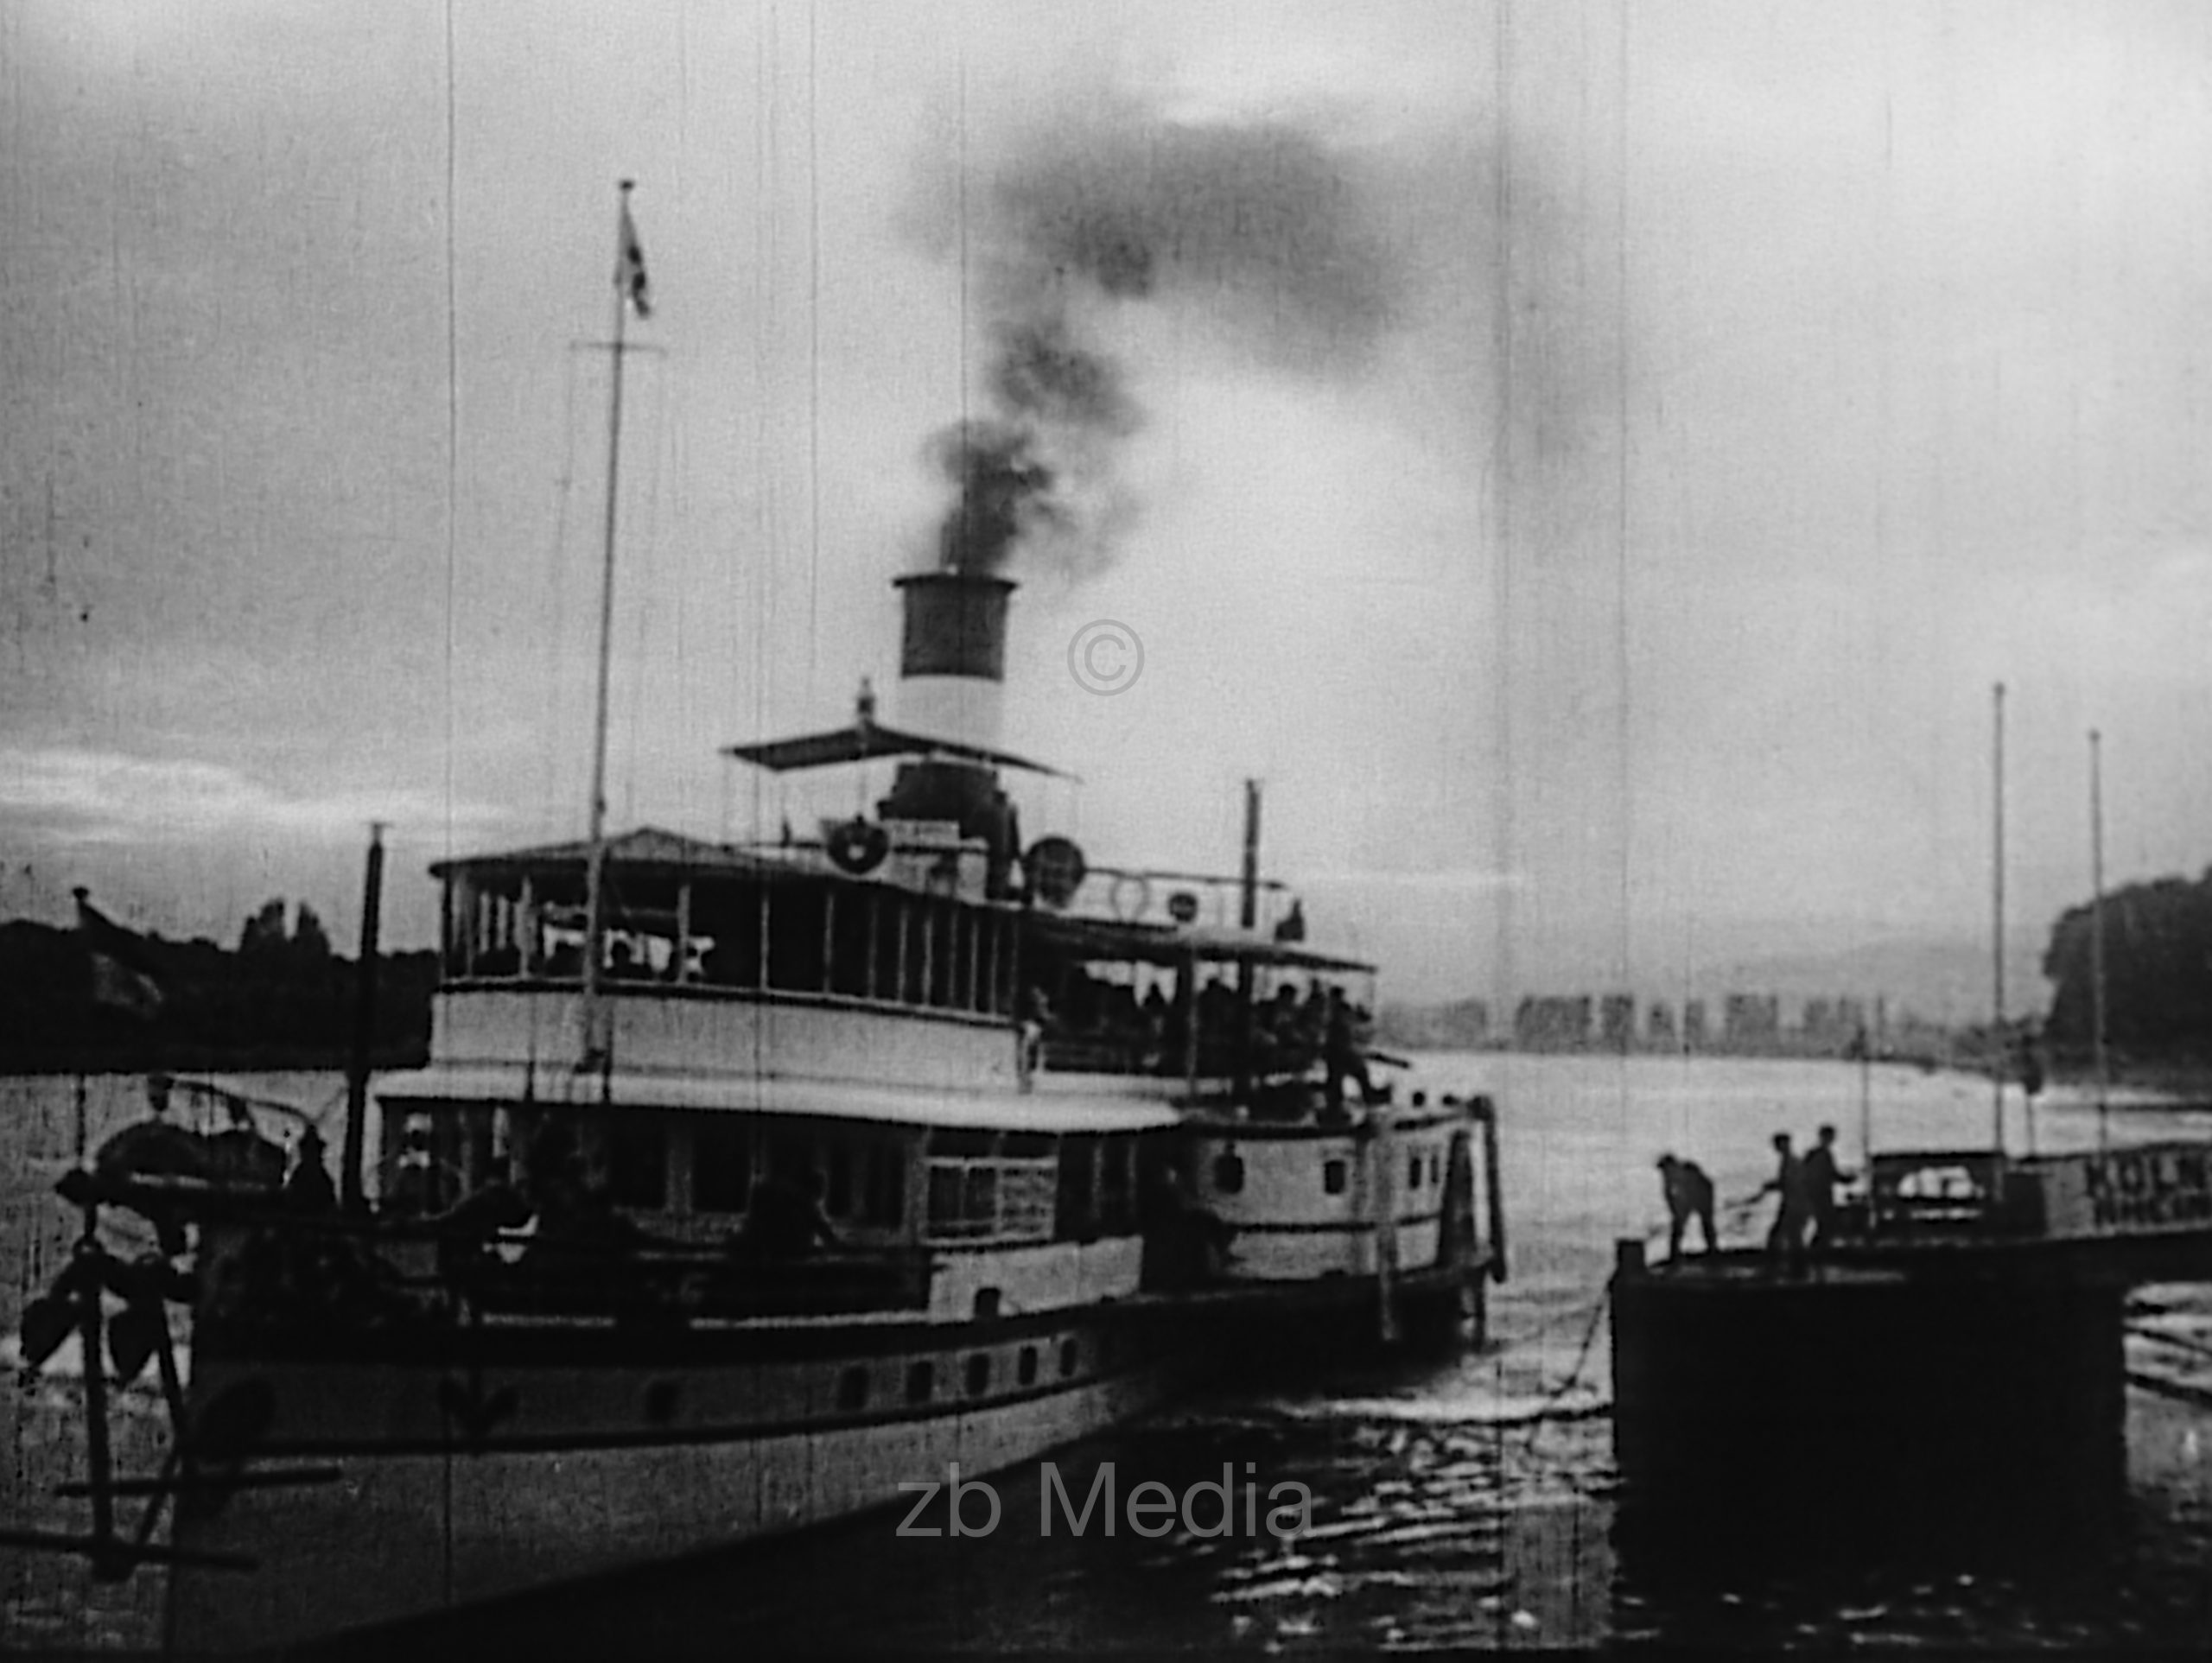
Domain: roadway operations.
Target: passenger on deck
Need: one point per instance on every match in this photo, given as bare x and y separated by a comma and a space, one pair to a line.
1183, 1241
1037, 1020
786, 1218
1689, 1194
1343, 1054
308, 1189
1155, 1010
1786, 1240
1217, 1009
1822, 1174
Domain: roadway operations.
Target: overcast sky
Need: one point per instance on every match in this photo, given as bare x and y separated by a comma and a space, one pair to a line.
1591, 463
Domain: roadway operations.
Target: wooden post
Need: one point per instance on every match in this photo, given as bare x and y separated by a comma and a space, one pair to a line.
350, 1193
1382, 1208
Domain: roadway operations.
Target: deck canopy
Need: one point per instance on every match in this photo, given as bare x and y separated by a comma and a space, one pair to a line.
864, 741
648, 849
1151, 943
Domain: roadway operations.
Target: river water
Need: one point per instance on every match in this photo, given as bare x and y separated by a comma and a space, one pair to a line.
1469, 1502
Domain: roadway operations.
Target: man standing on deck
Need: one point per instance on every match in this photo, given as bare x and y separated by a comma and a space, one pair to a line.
1341, 1054
1786, 1240
1689, 1194
1821, 1176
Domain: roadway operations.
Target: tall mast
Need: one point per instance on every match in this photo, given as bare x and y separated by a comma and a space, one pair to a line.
1247, 917
1997, 933
2097, 935
628, 286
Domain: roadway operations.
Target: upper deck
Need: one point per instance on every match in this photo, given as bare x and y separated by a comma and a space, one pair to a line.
781, 962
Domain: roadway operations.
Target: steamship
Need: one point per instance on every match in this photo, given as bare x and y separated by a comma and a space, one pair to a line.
746, 1182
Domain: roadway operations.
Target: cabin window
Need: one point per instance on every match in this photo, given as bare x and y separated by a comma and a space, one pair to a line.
1413, 1172
980, 1197
849, 911
979, 1374
987, 962
1435, 1167
1117, 1186
1026, 1368
884, 1191
939, 920
913, 950
946, 1214
729, 916
1229, 1174
1068, 1354
1077, 1203
637, 1164
976, 1189
838, 1198
921, 1380
852, 1389
721, 1168
1332, 1176
798, 914
887, 946
963, 958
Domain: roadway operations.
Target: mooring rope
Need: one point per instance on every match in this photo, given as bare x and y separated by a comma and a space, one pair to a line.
1547, 1409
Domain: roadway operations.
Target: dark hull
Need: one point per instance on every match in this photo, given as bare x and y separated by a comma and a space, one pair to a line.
479, 1465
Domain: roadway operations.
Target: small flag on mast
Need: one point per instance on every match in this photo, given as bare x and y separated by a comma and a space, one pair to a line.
630, 263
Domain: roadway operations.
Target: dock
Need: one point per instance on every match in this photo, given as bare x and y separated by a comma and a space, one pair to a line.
1962, 1335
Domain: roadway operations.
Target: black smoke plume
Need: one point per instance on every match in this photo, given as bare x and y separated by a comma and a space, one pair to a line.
1258, 233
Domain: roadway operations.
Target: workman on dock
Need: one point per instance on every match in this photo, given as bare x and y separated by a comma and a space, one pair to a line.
1786, 1240
1689, 1194
1822, 1174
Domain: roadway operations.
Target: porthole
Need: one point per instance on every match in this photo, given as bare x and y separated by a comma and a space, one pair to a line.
1332, 1176
921, 1380
1026, 1369
852, 1389
979, 1374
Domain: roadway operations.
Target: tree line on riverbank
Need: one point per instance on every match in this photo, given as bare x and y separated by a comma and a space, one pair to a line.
87, 998
2157, 953
283, 998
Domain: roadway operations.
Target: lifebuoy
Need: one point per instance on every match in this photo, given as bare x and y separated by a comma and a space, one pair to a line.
859, 846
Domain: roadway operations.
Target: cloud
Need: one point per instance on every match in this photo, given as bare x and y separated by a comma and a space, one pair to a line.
111, 797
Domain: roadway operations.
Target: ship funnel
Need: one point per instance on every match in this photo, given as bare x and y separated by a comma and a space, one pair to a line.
951, 676
952, 653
